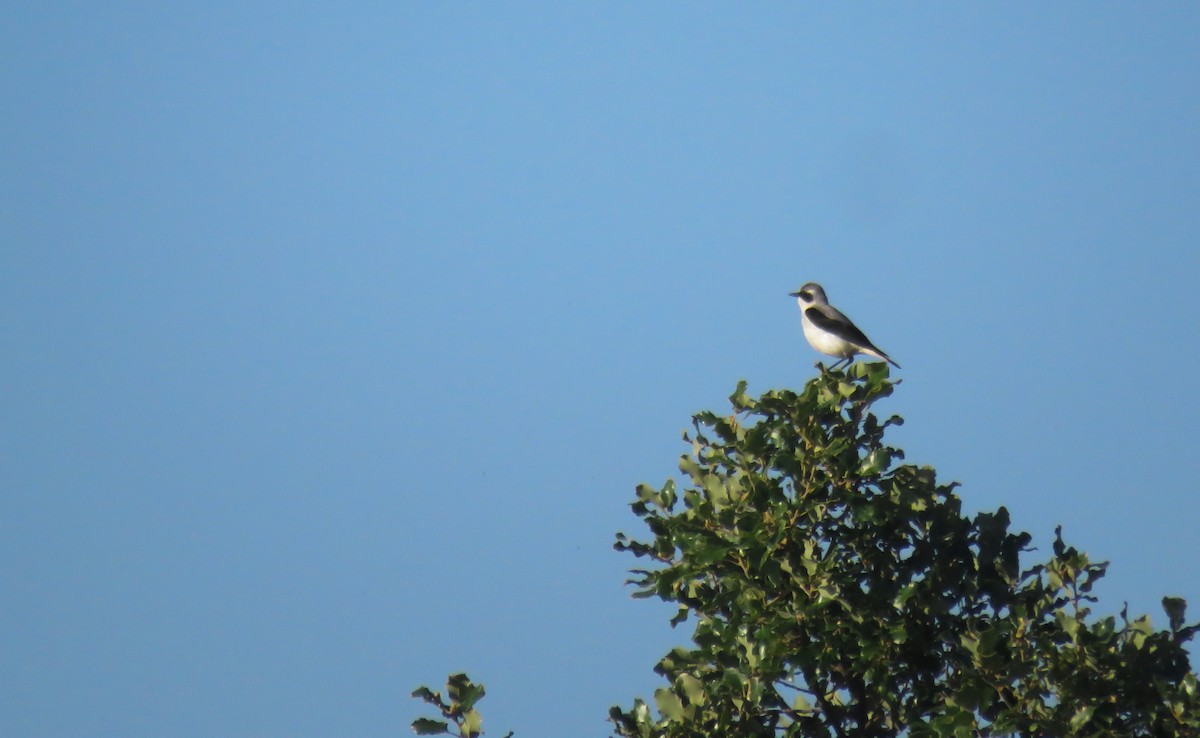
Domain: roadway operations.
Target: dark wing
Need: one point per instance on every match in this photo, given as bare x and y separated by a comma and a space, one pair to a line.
829, 318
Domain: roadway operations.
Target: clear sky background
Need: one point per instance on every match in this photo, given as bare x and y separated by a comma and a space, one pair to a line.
337, 336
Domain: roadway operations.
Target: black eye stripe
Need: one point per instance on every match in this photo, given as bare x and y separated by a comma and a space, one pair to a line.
806, 294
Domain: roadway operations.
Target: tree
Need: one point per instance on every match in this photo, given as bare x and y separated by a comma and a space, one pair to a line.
835, 591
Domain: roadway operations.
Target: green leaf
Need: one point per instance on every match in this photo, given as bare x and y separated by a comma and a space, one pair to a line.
708, 554
875, 462
669, 704
1176, 609
692, 688
425, 726
471, 724
739, 400
1069, 623
1081, 717
463, 691
688, 466
1138, 630
424, 693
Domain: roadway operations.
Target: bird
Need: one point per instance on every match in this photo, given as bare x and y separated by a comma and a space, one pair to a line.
831, 332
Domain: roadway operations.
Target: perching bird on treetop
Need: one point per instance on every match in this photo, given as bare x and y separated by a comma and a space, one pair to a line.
831, 332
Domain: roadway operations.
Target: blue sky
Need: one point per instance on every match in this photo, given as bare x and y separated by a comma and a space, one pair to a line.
335, 338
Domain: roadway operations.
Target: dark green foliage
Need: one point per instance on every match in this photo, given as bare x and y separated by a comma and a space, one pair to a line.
458, 709
835, 591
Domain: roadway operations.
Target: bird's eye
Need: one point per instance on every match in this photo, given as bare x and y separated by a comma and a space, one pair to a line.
806, 295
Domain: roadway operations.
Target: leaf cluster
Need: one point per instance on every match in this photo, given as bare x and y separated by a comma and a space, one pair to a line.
835, 591
460, 718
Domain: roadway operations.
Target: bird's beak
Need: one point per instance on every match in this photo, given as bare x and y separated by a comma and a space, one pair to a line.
793, 294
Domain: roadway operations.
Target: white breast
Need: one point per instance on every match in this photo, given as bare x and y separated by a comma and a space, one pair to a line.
826, 342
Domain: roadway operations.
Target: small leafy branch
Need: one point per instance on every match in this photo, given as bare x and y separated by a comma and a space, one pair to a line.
458, 712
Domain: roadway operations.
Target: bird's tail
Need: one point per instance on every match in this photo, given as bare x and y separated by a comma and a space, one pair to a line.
880, 355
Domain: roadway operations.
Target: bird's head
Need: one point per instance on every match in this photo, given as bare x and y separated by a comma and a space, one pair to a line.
810, 294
